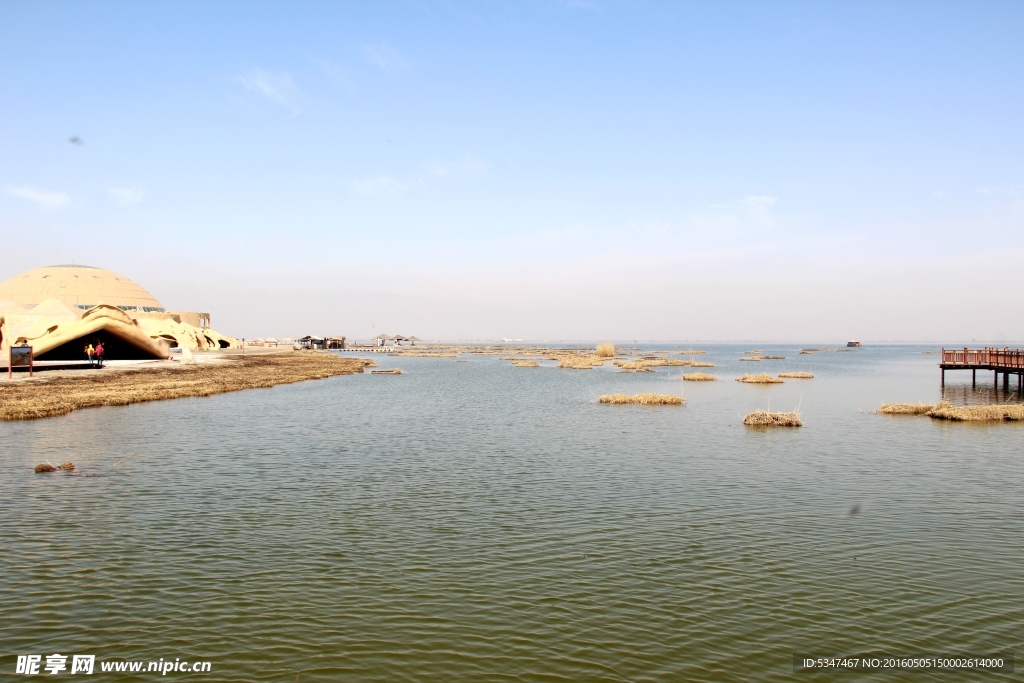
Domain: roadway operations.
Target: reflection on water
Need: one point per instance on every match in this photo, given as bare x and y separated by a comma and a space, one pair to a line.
966, 395
474, 521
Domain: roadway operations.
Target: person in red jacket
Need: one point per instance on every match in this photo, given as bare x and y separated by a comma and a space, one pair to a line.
99, 354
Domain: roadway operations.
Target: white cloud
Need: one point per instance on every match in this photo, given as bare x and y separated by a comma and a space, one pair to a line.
385, 185
759, 205
385, 57
276, 87
339, 75
125, 196
443, 167
44, 198
1001, 191
379, 186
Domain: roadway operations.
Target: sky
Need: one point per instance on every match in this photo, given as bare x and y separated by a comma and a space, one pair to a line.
559, 170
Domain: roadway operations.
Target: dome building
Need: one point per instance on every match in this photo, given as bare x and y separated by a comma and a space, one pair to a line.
59, 309
79, 287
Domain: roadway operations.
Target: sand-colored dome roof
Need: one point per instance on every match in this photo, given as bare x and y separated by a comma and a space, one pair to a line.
78, 286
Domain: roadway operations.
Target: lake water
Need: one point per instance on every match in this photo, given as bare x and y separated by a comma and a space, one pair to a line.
471, 521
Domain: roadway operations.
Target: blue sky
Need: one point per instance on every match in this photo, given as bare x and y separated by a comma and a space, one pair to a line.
550, 170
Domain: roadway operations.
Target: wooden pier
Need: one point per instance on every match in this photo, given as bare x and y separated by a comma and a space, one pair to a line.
1006, 361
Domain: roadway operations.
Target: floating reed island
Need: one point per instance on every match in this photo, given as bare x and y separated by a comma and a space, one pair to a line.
642, 399
48, 397
906, 408
1000, 412
392, 371
524, 363
1007, 412
762, 418
699, 377
646, 364
797, 375
763, 378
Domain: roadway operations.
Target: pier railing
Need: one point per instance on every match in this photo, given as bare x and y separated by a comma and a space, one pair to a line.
992, 357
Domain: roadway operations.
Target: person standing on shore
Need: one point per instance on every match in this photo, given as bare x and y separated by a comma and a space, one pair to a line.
99, 354
89, 352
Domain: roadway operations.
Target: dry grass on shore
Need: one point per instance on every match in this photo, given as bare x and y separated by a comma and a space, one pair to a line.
906, 408
605, 350
642, 399
762, 418
763, 378
699, 377
797, 375
48, 397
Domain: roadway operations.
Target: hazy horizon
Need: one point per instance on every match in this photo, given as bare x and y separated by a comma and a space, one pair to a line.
548, 170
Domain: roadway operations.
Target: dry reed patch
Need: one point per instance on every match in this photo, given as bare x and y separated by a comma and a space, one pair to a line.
605, 350
754, 358
998, 413
689, 352
699, 377
521, 363
425, 354
763, 378
762, 418
797, 375
392, 371
43, 397
644, 365
755, 351
772, 357
642, 399
576, 363
906, 408
701, 364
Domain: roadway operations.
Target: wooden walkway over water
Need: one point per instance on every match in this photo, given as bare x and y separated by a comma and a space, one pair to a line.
1006, 361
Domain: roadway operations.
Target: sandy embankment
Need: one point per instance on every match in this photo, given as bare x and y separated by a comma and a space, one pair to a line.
47, 397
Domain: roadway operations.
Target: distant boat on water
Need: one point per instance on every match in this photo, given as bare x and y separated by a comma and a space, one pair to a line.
853, 343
